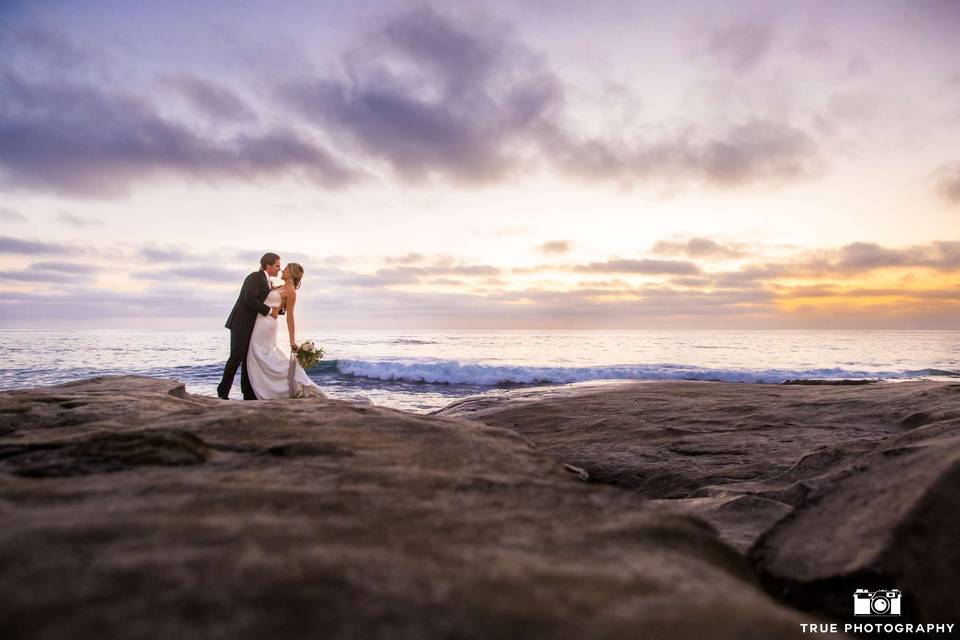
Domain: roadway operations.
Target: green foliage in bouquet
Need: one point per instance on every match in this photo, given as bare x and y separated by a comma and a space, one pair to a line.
309, 355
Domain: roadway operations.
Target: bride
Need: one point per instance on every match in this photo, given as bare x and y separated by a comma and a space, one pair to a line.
272, 373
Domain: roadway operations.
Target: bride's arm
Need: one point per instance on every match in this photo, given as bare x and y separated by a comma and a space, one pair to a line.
291, 301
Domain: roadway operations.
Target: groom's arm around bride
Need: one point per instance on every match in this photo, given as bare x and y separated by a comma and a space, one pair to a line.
250, 295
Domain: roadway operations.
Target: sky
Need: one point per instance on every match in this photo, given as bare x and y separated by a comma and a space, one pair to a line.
546, 164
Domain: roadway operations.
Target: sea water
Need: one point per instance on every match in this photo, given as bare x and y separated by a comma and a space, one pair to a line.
425, 370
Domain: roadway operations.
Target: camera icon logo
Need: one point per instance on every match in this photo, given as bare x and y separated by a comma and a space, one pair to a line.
884, 602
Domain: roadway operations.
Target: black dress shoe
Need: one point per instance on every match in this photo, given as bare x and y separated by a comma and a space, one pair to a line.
223, 397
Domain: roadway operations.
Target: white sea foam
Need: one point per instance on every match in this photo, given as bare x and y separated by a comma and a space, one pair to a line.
433, 371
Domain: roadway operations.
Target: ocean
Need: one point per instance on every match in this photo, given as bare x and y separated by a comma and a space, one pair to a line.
424, 370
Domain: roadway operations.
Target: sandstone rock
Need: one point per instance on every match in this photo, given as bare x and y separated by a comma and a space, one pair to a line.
741, 517
889, 522
103, 452
197, 518
682, 440
854, 485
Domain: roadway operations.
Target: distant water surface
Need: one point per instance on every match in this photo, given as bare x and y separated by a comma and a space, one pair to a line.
425, 370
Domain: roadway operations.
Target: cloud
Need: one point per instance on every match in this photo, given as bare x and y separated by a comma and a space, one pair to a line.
754, 150
473, 295
652, 267
470, 270
741, 46
331, 260
859, 257
758, 149
87, 305
427, 93
41, 277
28, 247
614, 283
209, 98
835, 291
700, 248
433, 96
383, 278
200, 273
81, 139
252, 256
606, 306
50, 50
52, 272
76, 221
172, 254
409, 258
11, 215
446, 282
849, 260
864, 256
555, 247
436, 273
948, 183
751, 275
691, 281
153, 253
66, 267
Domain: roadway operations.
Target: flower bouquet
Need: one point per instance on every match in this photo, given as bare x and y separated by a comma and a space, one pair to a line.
308, 354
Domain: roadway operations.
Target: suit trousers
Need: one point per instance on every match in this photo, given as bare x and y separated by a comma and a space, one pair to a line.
239, 344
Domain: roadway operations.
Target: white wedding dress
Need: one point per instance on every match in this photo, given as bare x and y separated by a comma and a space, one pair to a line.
273, 374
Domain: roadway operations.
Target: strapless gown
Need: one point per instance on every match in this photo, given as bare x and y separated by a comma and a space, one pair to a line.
274, 374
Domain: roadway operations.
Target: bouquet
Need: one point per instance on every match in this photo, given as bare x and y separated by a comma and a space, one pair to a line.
308, 354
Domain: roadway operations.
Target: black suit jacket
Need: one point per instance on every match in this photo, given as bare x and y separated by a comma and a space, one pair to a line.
249, 303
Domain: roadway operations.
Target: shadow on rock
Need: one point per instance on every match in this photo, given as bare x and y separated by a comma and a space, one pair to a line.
104, 453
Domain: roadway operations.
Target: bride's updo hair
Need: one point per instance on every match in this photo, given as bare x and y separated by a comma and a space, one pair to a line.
296, 273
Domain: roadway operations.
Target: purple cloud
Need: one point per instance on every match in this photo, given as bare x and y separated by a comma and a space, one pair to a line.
755, 150
949, 182
76, 221
409, 258
555, 247
66, 267
199, 273
166, 254
28, 247
651, 267
699, 248
209, 98
432, 96
742, 45
84, 140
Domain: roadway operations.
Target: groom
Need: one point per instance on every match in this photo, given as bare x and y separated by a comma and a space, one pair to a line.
242, 318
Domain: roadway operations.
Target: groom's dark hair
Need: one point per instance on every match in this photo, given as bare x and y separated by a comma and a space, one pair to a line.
268, 258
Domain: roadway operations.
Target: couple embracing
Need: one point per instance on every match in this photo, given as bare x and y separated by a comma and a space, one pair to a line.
266, 372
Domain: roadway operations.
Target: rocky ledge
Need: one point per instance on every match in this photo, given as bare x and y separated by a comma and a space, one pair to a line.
825, 489
132, 509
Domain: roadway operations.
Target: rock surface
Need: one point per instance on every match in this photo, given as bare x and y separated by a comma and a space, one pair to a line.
131, 509
831, 488
889, 521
